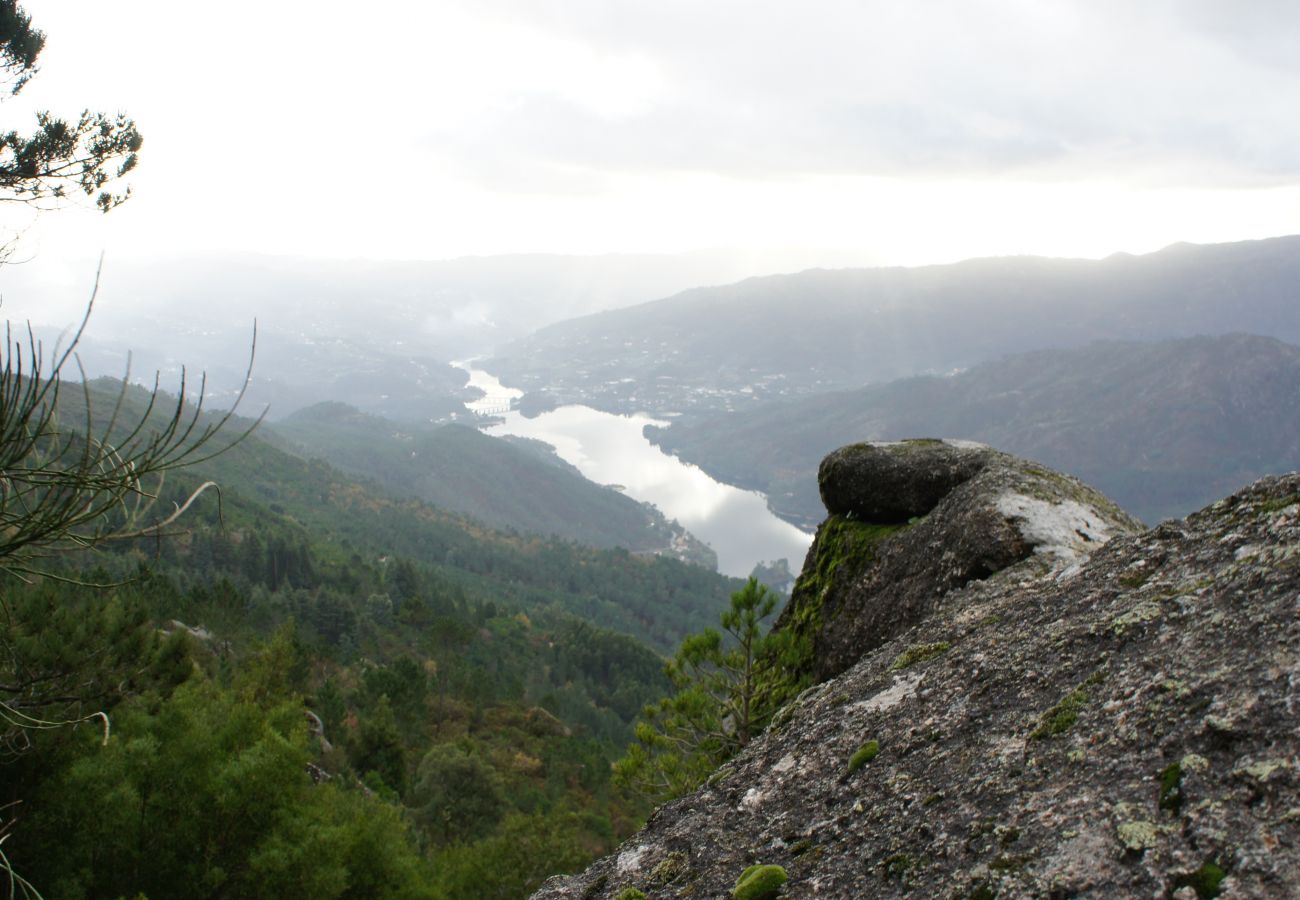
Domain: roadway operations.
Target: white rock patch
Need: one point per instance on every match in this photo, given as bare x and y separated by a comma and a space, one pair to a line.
903, 687
1068, 530
630, 860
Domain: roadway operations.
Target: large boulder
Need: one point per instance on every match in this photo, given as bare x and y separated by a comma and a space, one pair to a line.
1121, 724
911, 521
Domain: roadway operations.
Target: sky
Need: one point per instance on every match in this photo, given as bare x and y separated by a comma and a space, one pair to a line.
819, 132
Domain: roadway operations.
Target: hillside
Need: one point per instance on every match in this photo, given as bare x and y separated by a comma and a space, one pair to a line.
504, 483
307, 687
732, 347
1164, 427
1113, 723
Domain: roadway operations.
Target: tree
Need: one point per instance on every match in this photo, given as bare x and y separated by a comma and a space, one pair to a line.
65, 479
72, 475
457, 795
728, 688
86, 155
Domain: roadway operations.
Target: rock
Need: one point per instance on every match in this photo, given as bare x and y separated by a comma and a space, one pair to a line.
893, 482
965, 511
1035, 737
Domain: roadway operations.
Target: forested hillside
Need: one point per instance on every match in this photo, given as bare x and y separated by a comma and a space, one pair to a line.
316, 689
505, 483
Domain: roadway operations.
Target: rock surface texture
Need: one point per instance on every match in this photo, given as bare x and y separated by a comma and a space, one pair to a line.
912, 520
1121, 724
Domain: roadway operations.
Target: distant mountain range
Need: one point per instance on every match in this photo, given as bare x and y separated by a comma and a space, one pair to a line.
511, 483
735, 347
1162, 428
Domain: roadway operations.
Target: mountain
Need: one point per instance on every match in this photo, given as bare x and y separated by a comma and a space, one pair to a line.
1097, 712
1162, 427
732, 347
505, 483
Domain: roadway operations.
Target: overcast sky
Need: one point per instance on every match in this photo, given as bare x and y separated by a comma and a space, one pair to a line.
837, 130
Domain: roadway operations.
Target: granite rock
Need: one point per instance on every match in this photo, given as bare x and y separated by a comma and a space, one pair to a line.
1117, 724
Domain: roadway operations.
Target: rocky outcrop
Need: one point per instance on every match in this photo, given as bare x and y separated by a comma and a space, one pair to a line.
1116, 724
913, 520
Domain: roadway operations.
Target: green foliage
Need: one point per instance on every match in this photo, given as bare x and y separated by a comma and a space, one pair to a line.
515, 860
727, 691
20, 44
85, 470
863, 755
86, 155
759, 882
631, 894
457, 794
207, 793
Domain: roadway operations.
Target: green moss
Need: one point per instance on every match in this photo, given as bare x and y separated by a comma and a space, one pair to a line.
918, 653
932, 799
1205, 880
630, 894
1171, 787
863, 755
759, 883
840, 541
672, 867
1061, 717
1278, 504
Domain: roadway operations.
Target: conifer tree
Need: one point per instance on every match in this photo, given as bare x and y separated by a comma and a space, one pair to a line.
727, 690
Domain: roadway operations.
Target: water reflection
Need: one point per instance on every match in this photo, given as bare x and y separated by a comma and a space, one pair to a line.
610, 449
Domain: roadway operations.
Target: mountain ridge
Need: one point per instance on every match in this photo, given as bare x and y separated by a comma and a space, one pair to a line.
1162, 427
732, 347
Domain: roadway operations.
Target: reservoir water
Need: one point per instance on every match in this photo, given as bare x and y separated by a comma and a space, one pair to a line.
610, 449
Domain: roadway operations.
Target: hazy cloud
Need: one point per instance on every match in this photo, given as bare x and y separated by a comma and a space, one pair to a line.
1167, 92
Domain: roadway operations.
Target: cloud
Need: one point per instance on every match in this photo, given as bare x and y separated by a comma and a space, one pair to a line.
1182, 93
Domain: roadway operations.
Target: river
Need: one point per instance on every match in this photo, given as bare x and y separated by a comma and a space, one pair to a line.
610, 449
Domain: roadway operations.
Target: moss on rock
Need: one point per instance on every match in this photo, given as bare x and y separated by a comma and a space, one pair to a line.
918, 653
759, 882
863, 755
840, 540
